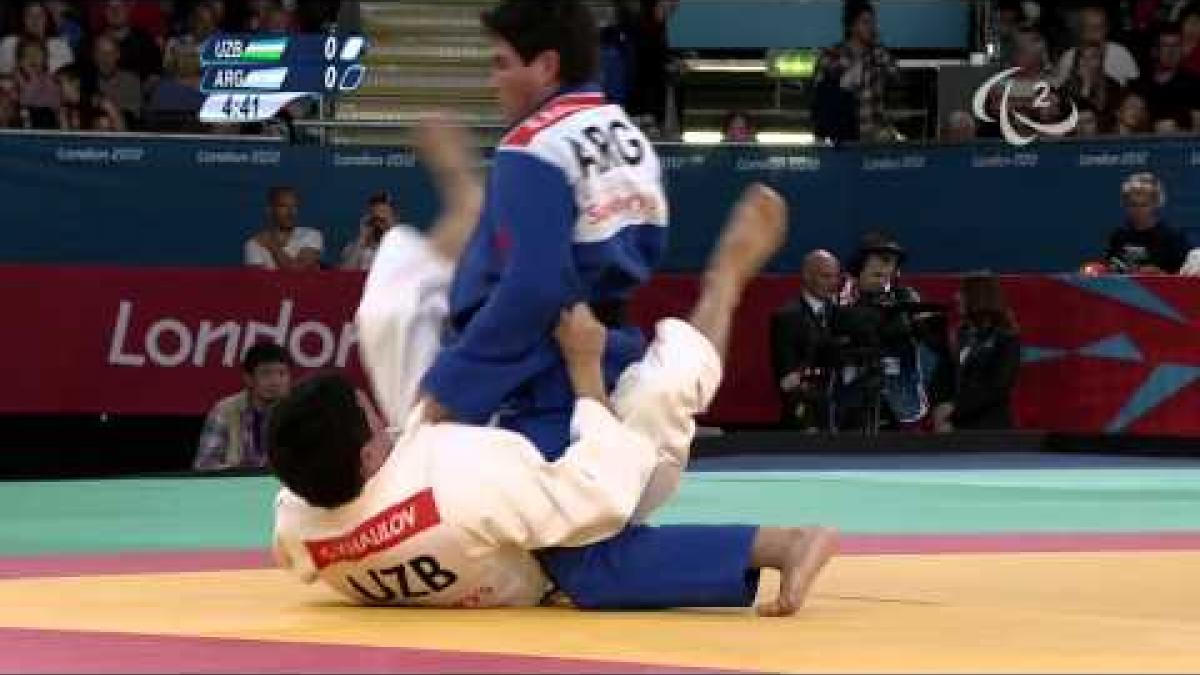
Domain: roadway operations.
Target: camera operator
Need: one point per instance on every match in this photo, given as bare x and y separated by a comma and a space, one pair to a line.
801, 343
888, 344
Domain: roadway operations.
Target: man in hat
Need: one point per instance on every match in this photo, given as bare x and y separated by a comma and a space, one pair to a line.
888, 351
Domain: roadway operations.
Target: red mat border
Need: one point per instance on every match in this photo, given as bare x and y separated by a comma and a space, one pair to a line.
161, 562
63, 651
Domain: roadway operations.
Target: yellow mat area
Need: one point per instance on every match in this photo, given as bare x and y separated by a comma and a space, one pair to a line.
1112, 612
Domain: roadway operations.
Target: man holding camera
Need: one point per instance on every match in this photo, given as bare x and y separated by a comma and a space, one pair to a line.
379, 218
886, 344
801, 343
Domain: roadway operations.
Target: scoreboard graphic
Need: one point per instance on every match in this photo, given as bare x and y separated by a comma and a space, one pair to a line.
249, 78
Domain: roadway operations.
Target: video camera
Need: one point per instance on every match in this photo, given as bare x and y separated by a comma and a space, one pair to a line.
880, 323
878, 336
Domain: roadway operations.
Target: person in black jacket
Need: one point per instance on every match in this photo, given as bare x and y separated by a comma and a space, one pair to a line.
800, 340
1145, 244
989, 356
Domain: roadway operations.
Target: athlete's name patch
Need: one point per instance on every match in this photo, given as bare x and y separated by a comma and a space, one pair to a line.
388, 528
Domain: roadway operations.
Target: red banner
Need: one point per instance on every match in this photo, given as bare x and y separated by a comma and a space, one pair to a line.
1109, 353
160, 341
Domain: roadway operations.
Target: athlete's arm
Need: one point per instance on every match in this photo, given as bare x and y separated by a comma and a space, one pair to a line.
537, 206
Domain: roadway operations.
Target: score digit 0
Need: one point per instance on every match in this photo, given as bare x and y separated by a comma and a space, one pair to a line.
331, 76
331, 49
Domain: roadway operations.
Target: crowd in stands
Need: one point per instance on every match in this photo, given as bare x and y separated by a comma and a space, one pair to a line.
105, 65
1131, 68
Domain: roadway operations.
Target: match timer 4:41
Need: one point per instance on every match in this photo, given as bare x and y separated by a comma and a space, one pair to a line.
249, 78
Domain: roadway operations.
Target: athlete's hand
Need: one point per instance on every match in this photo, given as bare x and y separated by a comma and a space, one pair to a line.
444, 145
580, 336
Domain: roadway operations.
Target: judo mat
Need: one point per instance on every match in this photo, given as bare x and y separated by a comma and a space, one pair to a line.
1021, 563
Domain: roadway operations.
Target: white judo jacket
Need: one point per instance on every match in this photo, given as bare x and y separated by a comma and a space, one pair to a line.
450, 518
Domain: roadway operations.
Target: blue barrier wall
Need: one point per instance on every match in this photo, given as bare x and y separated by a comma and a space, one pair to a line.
171, 202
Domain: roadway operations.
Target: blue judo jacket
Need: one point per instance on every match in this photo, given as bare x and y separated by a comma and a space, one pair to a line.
574, 211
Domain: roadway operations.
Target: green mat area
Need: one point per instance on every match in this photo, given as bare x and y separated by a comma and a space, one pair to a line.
141, 515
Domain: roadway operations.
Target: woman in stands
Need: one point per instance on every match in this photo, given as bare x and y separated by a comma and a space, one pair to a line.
989, 355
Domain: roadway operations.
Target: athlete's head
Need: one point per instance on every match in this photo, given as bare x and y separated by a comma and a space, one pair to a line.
325, 441
538, 47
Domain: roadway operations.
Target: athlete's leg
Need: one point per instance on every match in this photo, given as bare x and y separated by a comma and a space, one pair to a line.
660, 395
665, 567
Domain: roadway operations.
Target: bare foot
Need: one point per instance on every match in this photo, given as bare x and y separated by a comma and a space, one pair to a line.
811, 548
756, 230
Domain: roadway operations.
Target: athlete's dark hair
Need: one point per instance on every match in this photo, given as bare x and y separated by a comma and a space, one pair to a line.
563, 26
315, 441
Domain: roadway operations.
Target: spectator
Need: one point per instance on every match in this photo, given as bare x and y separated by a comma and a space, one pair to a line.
1131, 117
1008, 16
989, 356
1145, 244
1119, 64
37, 91
802, 342
105, 115
1167, 87
1191, 264
70, 113
1189, 31
1089, 86
738, 128
62, 17
617, 55
380, 217
851, 81
173, 103
273, 17
235, 431
1088, 125
114, 82
1032, 58
36, 26
652, 53
183, 53
281, 244
959, 127
139, 52
1177, 121
10, 105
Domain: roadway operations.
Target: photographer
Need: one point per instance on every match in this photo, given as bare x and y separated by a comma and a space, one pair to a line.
801, 342
888, 344
380, 217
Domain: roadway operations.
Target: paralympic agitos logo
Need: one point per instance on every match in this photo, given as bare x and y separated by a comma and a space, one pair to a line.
1007, 115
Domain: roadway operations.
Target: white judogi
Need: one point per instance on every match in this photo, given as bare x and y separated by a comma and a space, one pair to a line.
451, 517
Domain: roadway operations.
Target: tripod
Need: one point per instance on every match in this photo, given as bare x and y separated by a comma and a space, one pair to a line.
867, 403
